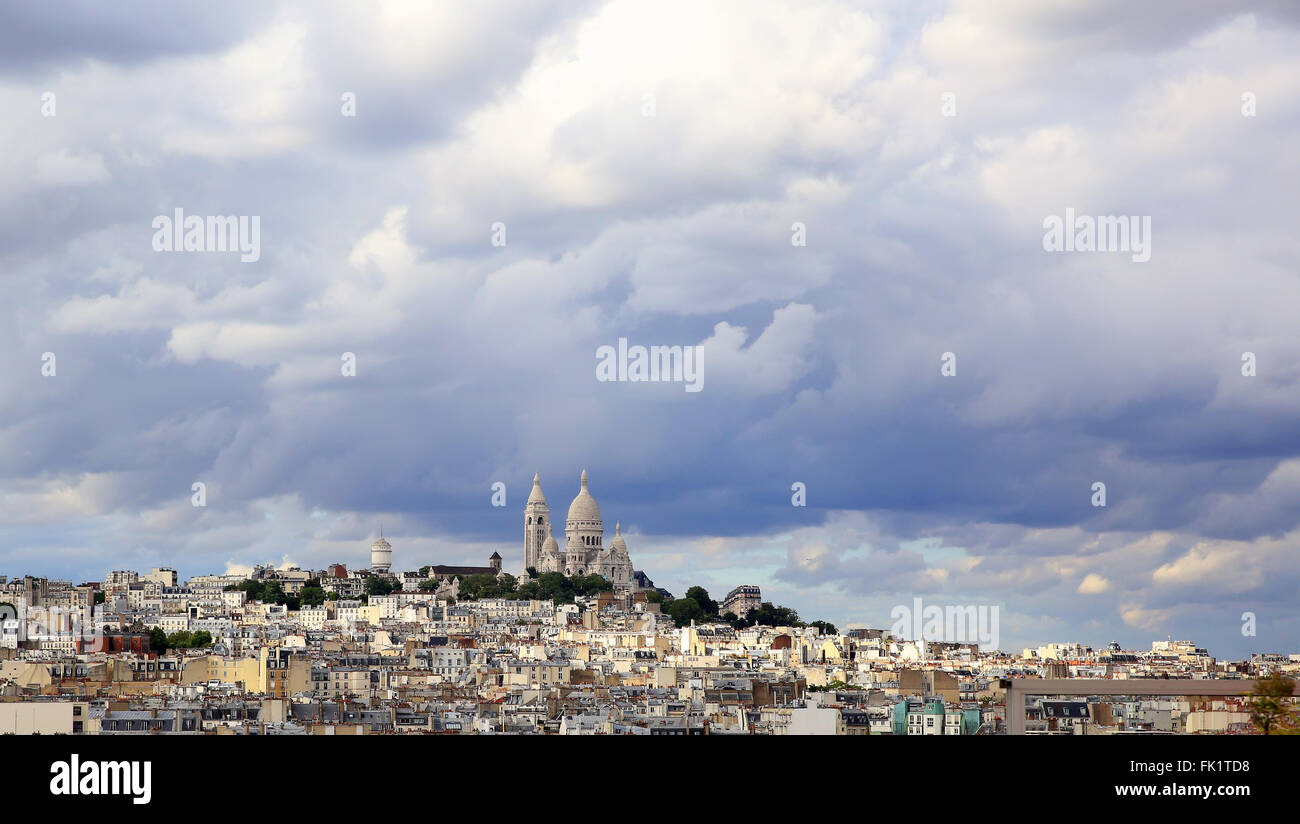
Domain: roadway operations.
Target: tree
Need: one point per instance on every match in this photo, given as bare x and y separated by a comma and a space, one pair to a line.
835, 685
201, 639
1270, 705
485, 585
270, 592
157, 640
590, 584
701, 596
826, 627
684, 610
253, 589
377, 585
769, 615
311, 596
555, 586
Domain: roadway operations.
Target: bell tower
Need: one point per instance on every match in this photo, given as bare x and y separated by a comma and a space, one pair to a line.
537, 515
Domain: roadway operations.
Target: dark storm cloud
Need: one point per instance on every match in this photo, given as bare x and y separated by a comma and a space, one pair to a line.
1115, 25
476, 363
44, 36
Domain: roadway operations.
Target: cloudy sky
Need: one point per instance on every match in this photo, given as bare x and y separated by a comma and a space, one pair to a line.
648, 162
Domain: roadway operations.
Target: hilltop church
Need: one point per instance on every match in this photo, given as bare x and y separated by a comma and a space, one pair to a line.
584, 551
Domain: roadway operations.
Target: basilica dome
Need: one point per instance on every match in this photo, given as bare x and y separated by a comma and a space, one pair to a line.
618, 544
584, 506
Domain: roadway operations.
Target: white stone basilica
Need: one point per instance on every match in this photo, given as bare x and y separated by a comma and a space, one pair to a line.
584, 551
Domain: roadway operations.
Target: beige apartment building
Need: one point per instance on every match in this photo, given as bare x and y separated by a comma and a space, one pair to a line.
42, 717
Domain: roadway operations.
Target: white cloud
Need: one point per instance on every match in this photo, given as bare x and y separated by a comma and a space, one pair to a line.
772, 361
1093, 584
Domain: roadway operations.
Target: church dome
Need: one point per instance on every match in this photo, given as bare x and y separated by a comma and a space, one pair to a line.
584, 506
550, 546
618, 544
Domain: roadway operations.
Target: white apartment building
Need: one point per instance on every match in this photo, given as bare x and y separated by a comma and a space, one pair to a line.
313, 617
174, 623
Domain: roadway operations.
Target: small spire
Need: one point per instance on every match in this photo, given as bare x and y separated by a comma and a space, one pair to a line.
584, 479
618, 528
537, 479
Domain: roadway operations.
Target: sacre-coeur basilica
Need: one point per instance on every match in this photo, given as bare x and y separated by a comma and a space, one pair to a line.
584, 551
